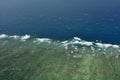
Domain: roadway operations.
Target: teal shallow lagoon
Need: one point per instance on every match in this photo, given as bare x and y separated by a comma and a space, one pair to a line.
30, 58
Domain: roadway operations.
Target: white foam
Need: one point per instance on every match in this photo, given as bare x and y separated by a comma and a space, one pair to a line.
77, 38
116, 46
3, 36
64, 42
86, 43
103, 45
24, 38
15, 37
106, 45
44, 40
99, 45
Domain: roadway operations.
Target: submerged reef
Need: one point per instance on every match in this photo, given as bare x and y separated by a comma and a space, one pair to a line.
30, 58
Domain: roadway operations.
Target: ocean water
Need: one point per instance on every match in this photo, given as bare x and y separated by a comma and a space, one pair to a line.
90, 20
59, 40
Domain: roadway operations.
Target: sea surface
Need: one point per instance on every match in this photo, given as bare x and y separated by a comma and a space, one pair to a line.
59, 40
62, 19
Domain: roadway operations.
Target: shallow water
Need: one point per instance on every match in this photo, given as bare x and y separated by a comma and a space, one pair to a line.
31, 58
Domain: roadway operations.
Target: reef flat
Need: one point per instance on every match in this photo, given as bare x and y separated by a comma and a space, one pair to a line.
29, 58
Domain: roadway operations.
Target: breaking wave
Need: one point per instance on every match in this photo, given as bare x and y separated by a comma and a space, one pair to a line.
74, 41
74, 45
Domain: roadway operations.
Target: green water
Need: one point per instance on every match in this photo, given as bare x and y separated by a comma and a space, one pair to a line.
48, 61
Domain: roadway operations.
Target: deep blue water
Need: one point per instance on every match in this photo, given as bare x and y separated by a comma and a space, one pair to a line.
62, 19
